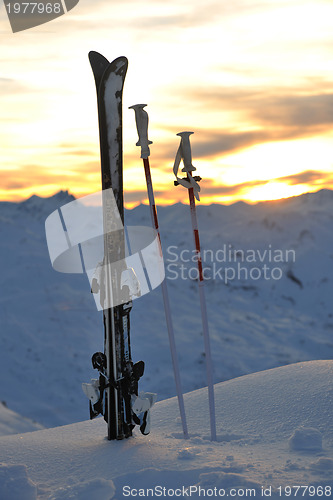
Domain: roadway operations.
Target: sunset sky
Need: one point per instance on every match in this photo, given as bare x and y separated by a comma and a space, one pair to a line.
252, 78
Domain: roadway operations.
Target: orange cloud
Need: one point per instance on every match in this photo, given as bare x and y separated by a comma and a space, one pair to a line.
307, 177
257, 116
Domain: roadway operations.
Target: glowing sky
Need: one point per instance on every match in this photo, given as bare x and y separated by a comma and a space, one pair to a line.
252, 78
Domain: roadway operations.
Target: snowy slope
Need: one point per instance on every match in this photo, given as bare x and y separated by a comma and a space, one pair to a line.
49, 327
13, 423
275, 430
46, 337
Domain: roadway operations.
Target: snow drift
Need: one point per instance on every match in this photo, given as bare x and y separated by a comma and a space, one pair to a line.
275, 431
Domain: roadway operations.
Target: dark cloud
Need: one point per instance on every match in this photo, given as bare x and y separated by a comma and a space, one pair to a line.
28, 176
13, 181
212, 143
79, 152
12, 185
306, 177
267, 106
88, 167
273, 116
162, 154
135, 196
210, 188
37, 175
140, 195
294, 111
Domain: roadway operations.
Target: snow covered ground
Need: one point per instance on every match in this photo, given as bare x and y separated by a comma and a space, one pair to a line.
13, 423
275, 434
269, 291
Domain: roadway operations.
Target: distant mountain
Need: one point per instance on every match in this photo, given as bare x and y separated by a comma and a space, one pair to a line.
36, 205
269, 288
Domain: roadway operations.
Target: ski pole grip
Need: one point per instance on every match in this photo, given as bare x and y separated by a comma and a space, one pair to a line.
186, 151
141, 120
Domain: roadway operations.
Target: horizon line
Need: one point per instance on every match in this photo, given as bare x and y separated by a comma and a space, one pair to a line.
145, 203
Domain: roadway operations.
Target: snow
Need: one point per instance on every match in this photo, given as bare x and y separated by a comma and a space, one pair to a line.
13, 423
306, 438
86, 490
269, 337
258, 416
15, 483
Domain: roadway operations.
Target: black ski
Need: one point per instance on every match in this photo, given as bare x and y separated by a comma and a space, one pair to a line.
118, 377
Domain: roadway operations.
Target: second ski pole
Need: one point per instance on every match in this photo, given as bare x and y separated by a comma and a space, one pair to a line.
141, 117
191, 183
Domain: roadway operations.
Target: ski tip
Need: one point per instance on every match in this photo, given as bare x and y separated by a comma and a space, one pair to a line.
121, 59
97, 57
101, 67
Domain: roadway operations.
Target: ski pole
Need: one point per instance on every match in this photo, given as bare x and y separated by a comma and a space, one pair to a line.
191, 183
141, 118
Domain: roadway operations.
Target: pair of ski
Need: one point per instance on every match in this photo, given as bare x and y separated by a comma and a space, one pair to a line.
115, 394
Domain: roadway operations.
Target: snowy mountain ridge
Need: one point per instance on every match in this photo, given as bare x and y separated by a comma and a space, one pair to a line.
321, 200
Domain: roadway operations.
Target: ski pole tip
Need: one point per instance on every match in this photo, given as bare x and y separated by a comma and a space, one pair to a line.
137, 106
184, 134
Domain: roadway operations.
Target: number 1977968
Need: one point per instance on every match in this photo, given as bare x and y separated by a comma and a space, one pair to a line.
302, 491
33, 8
